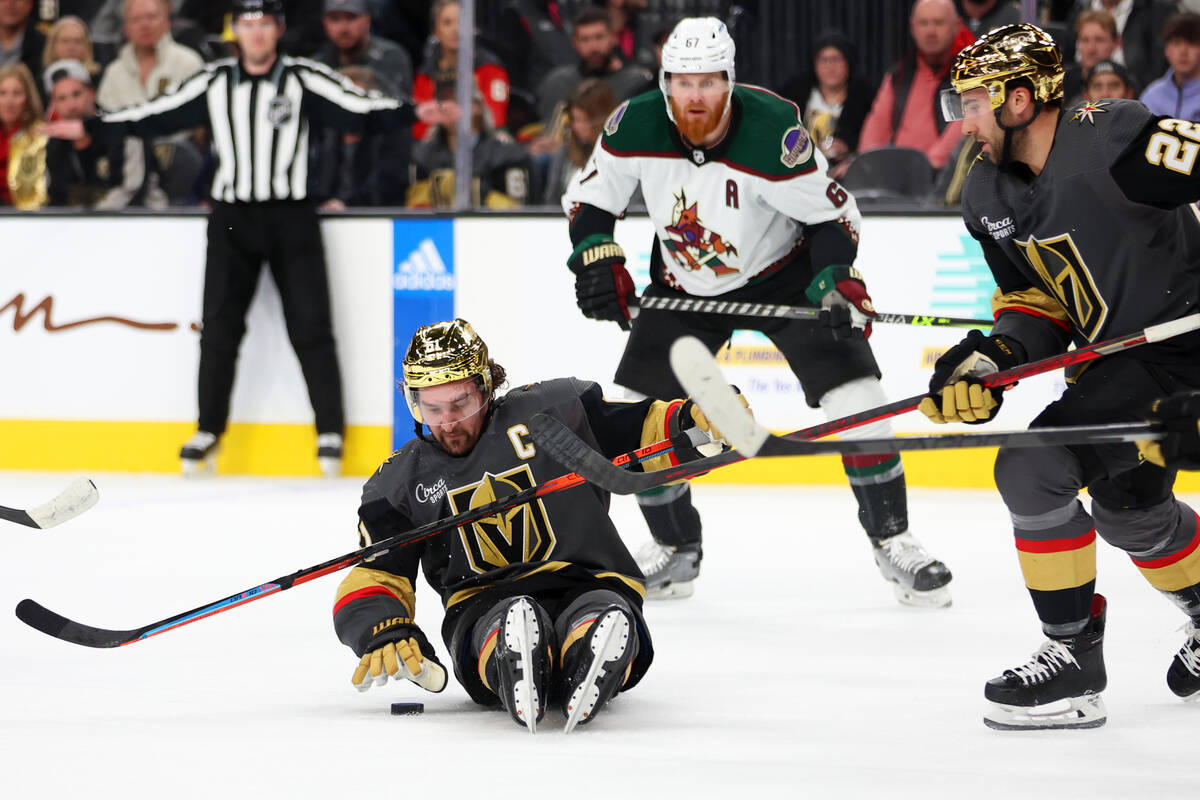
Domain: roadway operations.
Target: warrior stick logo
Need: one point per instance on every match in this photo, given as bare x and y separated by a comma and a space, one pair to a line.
691, 244
511, 536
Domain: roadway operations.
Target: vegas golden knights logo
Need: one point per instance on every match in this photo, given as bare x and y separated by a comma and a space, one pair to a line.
1063, 272
511, 536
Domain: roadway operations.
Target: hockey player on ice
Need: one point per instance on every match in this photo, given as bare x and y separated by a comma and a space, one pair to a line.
543, 603
1083, 215
743, 211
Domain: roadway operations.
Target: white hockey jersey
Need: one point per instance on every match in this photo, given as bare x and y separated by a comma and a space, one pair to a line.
726, 214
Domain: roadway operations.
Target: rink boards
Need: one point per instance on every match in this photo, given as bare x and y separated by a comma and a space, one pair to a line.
99, 337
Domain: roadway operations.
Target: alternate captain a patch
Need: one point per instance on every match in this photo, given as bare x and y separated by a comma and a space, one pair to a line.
691, 244
796, 146
512, 536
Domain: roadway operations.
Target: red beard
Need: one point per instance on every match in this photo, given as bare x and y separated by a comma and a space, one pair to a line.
694, 127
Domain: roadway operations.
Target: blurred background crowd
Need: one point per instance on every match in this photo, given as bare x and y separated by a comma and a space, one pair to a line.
865, 75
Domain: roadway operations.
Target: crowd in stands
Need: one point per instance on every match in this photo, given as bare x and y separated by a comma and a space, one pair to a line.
546, 76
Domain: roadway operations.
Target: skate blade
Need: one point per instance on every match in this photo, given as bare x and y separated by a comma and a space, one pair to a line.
672, 591
608, 643
934, 598
521, 624
1080, 712
199, 468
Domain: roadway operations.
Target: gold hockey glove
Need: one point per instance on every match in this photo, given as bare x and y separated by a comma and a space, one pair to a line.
956, 393
406, 653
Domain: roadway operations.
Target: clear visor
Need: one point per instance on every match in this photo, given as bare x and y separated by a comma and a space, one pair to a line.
707, 85
957, 106
437, 407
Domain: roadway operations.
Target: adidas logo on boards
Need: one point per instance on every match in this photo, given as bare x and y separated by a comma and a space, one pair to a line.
423, 270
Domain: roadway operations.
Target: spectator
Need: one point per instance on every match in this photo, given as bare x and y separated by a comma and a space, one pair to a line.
906, 110
150, 61
623, 20
101, 171
1139, 25
1177, 93
20, 40
196, 24
439, 68
1109, 79
587, 109
368, 169
22, 144
501, 167
533, 41
1096, 40
595, 57
405, 22
833, 101
351, 43
68, 39
982, 16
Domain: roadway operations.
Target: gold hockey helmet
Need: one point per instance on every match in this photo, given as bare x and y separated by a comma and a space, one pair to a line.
444, 352
1005, 54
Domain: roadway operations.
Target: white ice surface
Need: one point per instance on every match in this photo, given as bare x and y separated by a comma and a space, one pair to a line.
792, 672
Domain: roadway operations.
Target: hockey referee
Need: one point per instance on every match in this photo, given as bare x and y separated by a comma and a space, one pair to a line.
261, 109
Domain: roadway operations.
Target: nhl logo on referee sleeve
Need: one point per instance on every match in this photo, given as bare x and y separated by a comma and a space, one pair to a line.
796, 146
279, 111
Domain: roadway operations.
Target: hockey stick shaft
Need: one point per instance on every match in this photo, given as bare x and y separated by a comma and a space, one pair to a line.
78, 497
576, 455
39, 617
702, 305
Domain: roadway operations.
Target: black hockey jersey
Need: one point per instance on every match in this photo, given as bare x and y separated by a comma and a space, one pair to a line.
1104, 241
562, 536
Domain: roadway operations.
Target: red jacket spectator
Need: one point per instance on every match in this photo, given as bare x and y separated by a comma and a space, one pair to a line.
906, 110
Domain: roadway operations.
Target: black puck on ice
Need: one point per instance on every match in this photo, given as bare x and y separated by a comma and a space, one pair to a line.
399, 709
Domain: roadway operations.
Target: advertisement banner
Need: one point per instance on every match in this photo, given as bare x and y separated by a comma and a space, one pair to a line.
423, 283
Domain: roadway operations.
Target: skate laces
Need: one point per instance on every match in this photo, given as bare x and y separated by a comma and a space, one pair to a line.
652, 557
905, 552
1189, 654
1046, 662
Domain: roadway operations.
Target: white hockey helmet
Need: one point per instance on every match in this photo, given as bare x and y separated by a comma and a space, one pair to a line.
696, 45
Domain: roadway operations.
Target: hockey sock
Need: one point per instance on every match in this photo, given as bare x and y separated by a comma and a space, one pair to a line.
670, 515
878, 485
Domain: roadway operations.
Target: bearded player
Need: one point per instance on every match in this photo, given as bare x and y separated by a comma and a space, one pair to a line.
743, 211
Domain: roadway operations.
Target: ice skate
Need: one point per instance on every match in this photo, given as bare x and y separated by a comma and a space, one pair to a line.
329, 454
1059, 687
595, 665
1183, 676
521, 662
198, 456
669, 570
919, 578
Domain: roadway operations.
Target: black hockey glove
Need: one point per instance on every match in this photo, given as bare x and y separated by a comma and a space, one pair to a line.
400, 650
603, 288
955, 392
1179, 416
845, 305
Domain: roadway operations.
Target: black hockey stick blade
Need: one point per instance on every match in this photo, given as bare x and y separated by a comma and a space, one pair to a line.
43, 619
77, 498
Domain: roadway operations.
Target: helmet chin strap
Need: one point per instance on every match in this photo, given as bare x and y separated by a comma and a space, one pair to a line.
1006, 150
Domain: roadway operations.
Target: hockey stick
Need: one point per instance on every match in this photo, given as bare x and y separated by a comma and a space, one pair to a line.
37, 616
575, 454
705, 306
70, 502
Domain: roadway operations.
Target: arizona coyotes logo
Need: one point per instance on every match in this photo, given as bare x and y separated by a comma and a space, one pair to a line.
1065, 274
691, 244
511, 536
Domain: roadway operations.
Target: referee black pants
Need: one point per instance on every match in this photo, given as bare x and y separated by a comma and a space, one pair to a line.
287, 236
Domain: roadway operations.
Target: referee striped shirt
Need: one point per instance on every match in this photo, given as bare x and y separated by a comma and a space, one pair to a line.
261, 123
